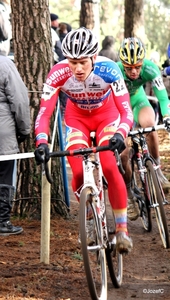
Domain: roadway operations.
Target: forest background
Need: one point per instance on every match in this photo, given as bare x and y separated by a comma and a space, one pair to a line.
156, 21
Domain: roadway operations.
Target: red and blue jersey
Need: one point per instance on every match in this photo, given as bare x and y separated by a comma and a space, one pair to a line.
89, 95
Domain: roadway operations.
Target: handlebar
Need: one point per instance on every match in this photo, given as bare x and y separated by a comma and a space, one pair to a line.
81, 151
146, 130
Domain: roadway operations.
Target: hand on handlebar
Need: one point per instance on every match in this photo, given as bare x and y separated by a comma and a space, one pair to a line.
42, 154
166, 121
117, 142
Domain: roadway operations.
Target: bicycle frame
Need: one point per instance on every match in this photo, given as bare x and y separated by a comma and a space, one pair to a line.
88, 168
138, 139
92, 164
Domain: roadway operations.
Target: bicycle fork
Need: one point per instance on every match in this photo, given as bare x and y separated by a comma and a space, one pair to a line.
93, 180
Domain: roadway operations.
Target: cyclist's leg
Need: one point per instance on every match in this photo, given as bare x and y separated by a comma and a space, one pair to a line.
138, 102
116, 188
133, 208
146, 118
126, 165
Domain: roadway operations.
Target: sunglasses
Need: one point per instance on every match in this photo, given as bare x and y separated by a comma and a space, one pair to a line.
130, 68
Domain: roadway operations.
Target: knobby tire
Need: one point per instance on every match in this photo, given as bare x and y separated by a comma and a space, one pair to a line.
139, 186
94, 260
154, 190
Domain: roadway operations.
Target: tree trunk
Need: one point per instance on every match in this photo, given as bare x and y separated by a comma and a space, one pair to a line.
89, 15
134, 19
33, 58
86, 14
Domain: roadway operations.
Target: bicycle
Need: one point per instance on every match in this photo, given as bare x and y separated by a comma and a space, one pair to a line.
93, 195
146, 184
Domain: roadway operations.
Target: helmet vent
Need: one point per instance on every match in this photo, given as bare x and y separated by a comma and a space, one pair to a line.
80, 43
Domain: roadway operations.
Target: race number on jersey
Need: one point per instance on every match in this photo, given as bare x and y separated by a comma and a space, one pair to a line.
158, 83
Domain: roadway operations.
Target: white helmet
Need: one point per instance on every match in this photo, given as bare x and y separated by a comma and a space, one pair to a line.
80, 43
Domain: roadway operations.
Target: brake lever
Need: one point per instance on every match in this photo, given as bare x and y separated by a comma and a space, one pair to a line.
45, 168
119, 162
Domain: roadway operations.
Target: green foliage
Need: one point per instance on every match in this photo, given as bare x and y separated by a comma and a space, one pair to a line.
77, 256
157, 24
112, 20
156, 20
67, 10
21, 244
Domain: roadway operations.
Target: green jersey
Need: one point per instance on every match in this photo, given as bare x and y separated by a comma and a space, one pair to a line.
149, 73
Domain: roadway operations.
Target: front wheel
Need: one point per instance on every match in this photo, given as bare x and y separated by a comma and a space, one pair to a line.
156, 200
93, 252
138, 186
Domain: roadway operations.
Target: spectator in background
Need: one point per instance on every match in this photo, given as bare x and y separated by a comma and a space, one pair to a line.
107, 48
54, 21
15, 126
166, 65
62, 31
58, 56
5, 28
56, 25
165, 73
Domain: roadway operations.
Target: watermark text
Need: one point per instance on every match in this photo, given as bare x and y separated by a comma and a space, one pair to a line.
153, 291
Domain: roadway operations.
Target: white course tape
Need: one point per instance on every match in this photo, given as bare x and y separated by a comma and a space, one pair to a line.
16, 156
